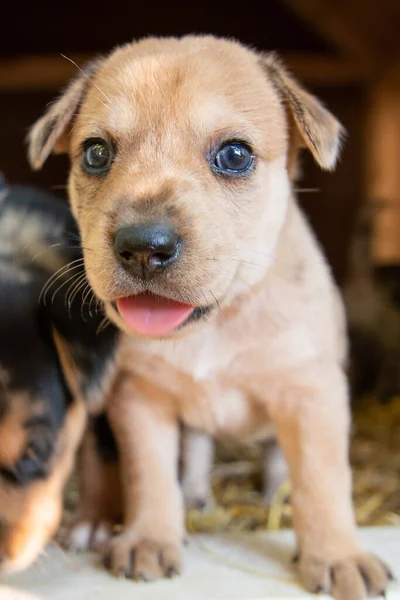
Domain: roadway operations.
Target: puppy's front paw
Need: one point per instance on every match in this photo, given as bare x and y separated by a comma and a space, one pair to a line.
136, 557
351, 578
85, 536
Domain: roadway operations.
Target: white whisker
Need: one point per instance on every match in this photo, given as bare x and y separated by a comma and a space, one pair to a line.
59, 273
62, 285
88, 78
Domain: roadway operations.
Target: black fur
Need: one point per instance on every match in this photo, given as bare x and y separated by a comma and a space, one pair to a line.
105, 442
28, 358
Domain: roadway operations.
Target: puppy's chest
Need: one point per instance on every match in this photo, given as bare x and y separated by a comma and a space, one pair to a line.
270, 343
202, 356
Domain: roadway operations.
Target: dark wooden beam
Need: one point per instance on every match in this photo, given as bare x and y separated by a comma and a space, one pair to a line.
364, 31
49, 73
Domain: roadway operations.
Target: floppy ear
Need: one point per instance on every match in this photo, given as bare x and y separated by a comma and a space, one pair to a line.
318, 129
50, 133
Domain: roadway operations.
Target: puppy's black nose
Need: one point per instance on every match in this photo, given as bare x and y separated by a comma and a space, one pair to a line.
146, 249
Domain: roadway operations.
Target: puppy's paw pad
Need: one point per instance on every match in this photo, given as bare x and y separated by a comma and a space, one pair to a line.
85, 536
143, 559
101, 537
75, 536
353, 578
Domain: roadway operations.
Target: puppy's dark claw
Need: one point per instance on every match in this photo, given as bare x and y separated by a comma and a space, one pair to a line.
295, 558
171, 572
107, 561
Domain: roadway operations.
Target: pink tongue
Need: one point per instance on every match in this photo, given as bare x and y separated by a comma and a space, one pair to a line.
152, 315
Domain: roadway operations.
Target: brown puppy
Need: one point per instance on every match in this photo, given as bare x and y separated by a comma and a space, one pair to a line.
181, 156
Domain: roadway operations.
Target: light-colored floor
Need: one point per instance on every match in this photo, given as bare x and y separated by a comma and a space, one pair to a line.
247, 566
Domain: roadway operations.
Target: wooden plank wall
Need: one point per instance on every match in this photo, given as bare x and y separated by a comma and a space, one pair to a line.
382, 143
366, 34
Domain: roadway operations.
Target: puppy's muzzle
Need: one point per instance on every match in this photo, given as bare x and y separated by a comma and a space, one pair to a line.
146, 249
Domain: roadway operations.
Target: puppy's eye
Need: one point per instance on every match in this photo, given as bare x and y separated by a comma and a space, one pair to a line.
234, 158
97, 156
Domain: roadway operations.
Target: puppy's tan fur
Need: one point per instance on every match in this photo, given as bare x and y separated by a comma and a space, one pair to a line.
270, 356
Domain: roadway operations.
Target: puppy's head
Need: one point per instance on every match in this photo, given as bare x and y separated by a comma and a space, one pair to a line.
181, 154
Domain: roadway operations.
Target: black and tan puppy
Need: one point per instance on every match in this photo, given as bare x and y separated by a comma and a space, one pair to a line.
55, 360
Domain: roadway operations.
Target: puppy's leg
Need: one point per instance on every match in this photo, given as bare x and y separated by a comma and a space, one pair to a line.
275, 470
100, 502
147, 434
312, 423
197, 457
